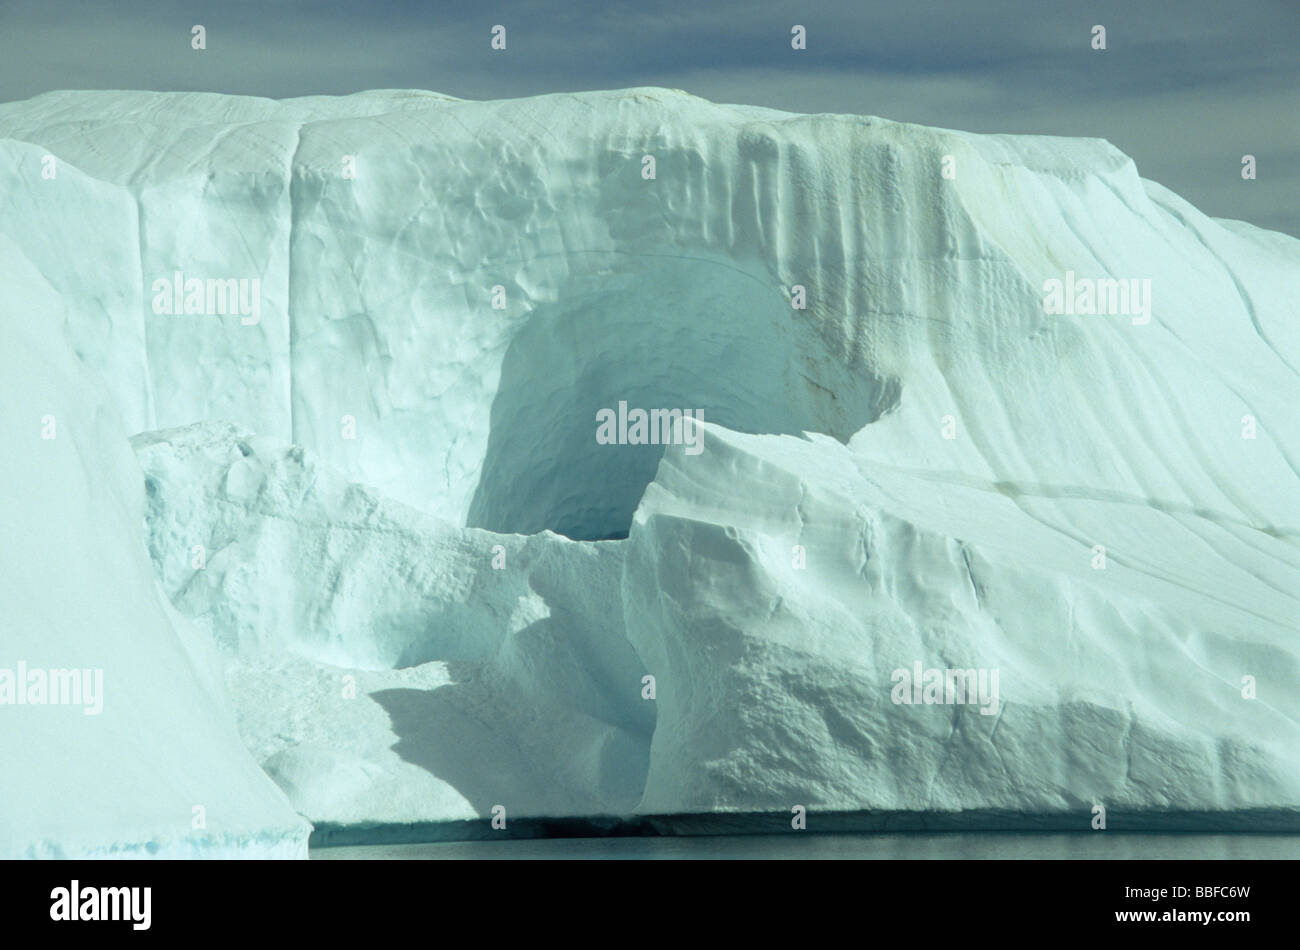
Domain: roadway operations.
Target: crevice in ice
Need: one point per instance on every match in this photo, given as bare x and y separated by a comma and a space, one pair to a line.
289, 308
970, 576
1127, 743
151, 408
997, 722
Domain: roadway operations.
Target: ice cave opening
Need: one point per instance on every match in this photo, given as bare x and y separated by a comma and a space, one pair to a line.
672, 333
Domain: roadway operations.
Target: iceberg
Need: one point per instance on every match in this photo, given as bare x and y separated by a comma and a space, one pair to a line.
985, 499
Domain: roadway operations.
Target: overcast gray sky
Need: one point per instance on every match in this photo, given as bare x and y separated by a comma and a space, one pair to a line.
1186, 87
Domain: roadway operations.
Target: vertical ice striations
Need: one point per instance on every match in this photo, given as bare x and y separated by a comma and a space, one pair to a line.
615, 285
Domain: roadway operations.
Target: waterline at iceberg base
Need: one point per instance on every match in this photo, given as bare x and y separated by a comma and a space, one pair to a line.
943, 557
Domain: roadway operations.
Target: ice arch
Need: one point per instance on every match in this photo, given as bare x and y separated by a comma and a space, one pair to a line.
666, 332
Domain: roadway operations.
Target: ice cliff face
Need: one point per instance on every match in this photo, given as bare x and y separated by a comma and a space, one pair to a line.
1099, 507
1119, 686
121, 744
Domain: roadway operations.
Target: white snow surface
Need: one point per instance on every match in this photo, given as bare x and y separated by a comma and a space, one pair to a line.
370, 557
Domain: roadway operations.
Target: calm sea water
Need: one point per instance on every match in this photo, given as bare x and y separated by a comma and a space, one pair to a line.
1096, 845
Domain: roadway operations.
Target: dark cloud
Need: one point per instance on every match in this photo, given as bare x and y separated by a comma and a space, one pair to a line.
1184, 87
